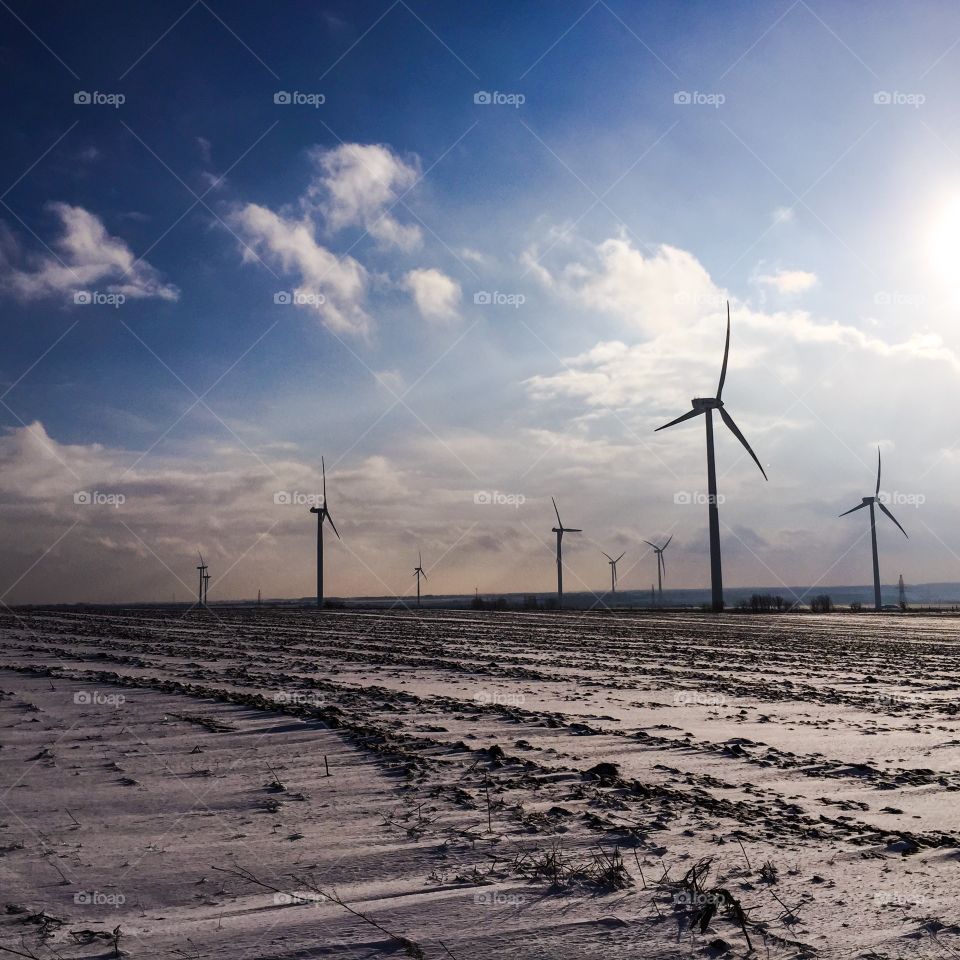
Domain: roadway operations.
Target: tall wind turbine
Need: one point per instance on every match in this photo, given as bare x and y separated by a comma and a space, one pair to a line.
870, 502
322, 514
661, 563
613, 569
560, 530
203, 580
418, 572
706, 406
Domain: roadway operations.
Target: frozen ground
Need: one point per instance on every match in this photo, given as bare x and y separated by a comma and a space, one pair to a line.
253, 785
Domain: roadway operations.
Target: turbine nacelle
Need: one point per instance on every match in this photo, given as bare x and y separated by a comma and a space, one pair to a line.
701, 404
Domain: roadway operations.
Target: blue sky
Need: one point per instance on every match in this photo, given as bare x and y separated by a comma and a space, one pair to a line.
812, 179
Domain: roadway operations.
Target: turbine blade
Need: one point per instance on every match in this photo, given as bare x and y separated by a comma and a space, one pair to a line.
663, 562
859, 506
667, 544
735, 430
726, 354
878, 473
620, 557
649, 544
425, 577
607, 555
326, 513
323, 467
419, 559
892, 517
572, 530
686, 416
557, 512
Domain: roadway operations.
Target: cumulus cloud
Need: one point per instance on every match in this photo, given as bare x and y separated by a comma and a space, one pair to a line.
651, 292
333, 286
788, 281
358, 184
84, 256
435, 294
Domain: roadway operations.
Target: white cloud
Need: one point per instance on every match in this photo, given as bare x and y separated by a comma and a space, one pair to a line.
333, 286
434, 293
789, 281
84, 256
358, 183
650, 292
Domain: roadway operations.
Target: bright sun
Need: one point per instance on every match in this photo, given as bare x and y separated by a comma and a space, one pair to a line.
945, 240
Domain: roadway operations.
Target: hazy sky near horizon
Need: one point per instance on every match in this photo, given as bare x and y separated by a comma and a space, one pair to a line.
473, 255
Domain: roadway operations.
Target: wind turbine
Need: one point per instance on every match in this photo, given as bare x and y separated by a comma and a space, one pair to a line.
870, 502
560, 530
206, 585
418, 572
322, 514
613, 569
661, 563
203, 574
706, 406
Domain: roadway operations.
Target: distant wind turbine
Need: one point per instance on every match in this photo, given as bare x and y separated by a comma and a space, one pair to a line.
203, 580
322, 514
661, 563
560, 530
870, 502
418, 572
613, 569
706, 406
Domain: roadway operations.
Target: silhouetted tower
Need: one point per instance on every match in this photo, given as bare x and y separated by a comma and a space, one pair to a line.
203, 573
706, 406
322, 514
418, 573
903, 594
560, 530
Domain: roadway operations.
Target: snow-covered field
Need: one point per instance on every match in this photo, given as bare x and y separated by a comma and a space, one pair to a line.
265, 784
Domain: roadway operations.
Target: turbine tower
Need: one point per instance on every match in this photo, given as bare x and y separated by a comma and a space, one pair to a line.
871, 502
706, 406
613, 569
206, 586
203, 579
418, 573
661, 563
322, 514
560, 530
